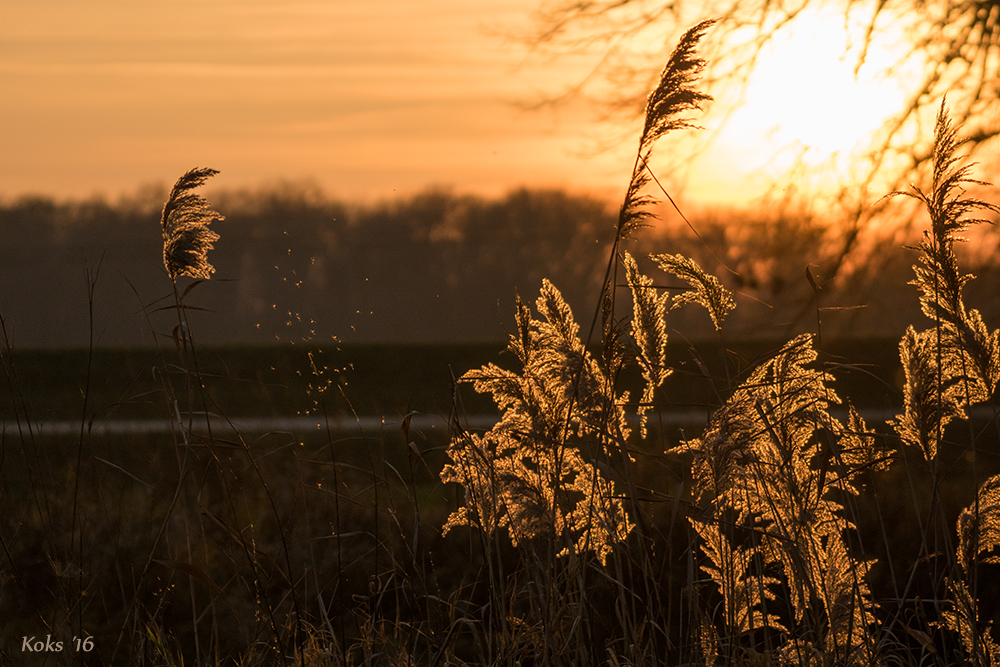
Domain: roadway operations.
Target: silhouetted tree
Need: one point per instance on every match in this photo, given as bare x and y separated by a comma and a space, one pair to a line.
958, 40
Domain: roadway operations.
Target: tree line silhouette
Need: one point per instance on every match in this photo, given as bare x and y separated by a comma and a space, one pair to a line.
295, 266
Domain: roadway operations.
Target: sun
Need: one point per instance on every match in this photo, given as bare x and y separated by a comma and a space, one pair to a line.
810, 102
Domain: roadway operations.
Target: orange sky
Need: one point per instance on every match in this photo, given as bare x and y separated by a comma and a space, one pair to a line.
365, 98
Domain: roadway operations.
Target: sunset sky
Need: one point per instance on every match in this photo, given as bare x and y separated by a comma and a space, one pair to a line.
366, 99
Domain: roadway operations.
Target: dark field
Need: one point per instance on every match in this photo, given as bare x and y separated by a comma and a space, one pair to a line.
277, 381
374, 380
239, 533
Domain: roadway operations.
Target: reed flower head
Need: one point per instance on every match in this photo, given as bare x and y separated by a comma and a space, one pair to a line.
705, 288
957, 362
674, 95
978, 538
530, 472
186, 236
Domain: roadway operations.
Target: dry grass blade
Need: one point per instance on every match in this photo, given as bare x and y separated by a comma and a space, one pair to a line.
185, 220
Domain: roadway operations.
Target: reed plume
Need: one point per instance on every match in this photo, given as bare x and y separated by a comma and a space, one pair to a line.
675, 94
529, 473
760, 462
732, 569
185, 220
705, 288
978, 529
957, 362
649, 330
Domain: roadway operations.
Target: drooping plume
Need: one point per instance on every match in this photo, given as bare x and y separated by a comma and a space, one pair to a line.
185, 220
705, 288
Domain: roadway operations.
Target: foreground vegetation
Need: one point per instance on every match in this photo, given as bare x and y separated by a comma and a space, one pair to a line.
578, 529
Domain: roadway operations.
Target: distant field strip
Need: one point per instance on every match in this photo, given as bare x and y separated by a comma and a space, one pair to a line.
363, 424
338, 424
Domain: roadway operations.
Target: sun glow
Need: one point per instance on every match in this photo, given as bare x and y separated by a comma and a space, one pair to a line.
810, 104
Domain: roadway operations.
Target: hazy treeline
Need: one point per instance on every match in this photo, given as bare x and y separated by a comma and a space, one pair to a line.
293, 265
